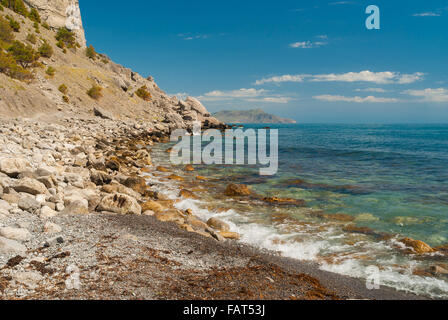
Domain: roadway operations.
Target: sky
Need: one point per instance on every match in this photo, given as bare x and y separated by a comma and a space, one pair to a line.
314, 61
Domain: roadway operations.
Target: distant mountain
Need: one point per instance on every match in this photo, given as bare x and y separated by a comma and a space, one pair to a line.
250, 116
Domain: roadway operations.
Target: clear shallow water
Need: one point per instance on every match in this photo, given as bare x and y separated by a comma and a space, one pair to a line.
390, 178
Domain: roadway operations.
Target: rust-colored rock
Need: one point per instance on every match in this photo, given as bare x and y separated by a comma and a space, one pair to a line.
230, 235
417, 246
187, 194
138, 184
363, 230
237, 190
284, 201
152, 206
176, 177
189, 167
201, 178
162, 169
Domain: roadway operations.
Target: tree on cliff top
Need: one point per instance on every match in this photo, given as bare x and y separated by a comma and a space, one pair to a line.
67, 37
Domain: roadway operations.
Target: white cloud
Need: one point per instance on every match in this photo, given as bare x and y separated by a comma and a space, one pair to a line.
430, 95
307, 44
280, 79
426, 14
378, 90
189, 36
369, 99
363, 76
249, 95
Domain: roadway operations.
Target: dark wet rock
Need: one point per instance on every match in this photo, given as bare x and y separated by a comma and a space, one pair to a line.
100, 178
284, 201
238, 190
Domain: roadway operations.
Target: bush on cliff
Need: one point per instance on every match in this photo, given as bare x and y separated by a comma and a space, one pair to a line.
15, 25
9, 66
50, 71
63, 89
31, 38
46, 50
6, 33
34, 15
90, 52
95, 92
66, 37
17, 6
24, 55
144, 93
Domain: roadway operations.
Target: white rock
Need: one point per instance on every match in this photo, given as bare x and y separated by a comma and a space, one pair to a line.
13, 166
8, 246
31, 186
28, 203
120, 203
50, 227
19, 234
5, 205
30, 278
46, 212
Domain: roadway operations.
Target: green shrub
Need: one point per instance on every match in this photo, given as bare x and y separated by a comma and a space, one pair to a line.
6, 33
34, 15
46, 25
46, 50
66, 99
143, 93
1, 8
50, 71
67, 37
31, 38
10, 67
23, 54
15, 25
17, 6
95, 92
63, 89
60, 44
90, 52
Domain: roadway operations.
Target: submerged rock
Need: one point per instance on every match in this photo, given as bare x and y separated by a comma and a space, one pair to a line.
284, 201
237, 190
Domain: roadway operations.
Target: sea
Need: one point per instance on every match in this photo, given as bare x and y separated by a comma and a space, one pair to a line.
365, 187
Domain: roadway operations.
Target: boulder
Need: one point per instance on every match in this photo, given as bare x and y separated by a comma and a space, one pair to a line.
152, 206
120, 203
29, 203
31, 186
100, 178
13, 166
47, 212
138, 184
170, 216
76, 207
18, 234
417, 246
218, 224
74, 179
196, 105
8, 246
237, 190
230, 235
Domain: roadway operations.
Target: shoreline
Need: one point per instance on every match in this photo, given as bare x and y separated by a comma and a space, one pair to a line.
108, 227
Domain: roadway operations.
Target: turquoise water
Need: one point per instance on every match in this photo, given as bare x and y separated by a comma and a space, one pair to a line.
397, 173
389, 178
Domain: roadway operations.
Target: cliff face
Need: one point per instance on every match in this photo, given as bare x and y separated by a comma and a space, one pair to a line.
61, 13
120, 85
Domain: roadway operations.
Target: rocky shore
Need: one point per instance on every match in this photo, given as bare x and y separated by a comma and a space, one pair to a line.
79, 220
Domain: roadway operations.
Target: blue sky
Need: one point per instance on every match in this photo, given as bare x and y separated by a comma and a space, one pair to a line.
314, 61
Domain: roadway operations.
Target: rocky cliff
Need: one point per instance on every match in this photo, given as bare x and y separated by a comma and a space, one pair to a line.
61, 13
120, 100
